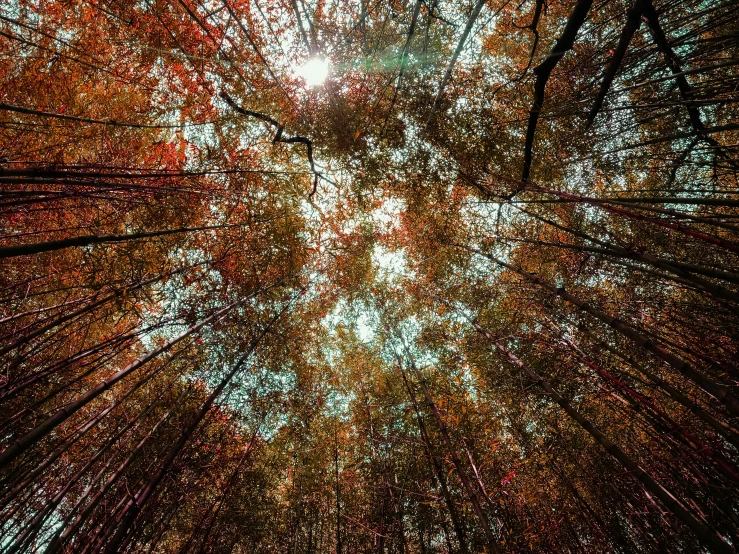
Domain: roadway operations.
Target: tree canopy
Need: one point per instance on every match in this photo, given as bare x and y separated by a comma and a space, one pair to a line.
391, 276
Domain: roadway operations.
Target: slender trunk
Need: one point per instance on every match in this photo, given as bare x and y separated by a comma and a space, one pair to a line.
437, 469
219, 502
380, 537
136, 503
29, 477
724, 429
386, 481
720, 392
41, 430
76, 313
705, 534
34, 526
457, 51
478, 477
607, 206
118, 293
679, 275
163, 526
338, 491
87, 240
683, 269
63, 534
123, 342
42, 310
633, 20
490, 540
693, 442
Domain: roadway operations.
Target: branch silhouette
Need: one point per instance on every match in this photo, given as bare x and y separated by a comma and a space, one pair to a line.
279, 136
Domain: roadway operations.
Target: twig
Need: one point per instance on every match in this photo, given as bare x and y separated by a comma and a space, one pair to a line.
279, 136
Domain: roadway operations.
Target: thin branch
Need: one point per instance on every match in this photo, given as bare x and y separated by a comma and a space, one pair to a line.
111, 122
278, 136
633, 21
544, 70
460, 45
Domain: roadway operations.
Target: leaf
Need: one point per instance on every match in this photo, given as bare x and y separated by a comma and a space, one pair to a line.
507, 478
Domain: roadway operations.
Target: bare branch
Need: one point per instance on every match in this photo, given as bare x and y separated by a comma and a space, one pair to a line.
544, 70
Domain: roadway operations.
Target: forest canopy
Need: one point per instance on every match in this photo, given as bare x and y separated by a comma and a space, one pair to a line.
353, 276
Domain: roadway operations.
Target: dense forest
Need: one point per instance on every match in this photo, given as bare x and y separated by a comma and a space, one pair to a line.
369, 276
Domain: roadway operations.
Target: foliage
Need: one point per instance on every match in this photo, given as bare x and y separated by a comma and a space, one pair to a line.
476, 292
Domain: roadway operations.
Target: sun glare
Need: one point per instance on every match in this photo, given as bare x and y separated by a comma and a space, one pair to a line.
314, 72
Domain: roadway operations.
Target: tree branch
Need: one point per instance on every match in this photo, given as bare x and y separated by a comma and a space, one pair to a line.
544, 70
278, 136
633, 21
460, 45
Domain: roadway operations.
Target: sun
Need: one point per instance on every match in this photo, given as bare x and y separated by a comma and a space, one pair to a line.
314, 72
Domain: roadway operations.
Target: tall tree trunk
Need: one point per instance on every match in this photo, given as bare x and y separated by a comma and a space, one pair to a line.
33, 528
491, 542
87, 240
40, 431
63, 534
720, 392
337, 492
135, 504
437, 469
703, 532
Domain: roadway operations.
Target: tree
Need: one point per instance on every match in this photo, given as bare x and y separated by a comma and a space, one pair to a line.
475, 292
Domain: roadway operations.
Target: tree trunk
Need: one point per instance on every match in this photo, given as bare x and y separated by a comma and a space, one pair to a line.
705, 534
